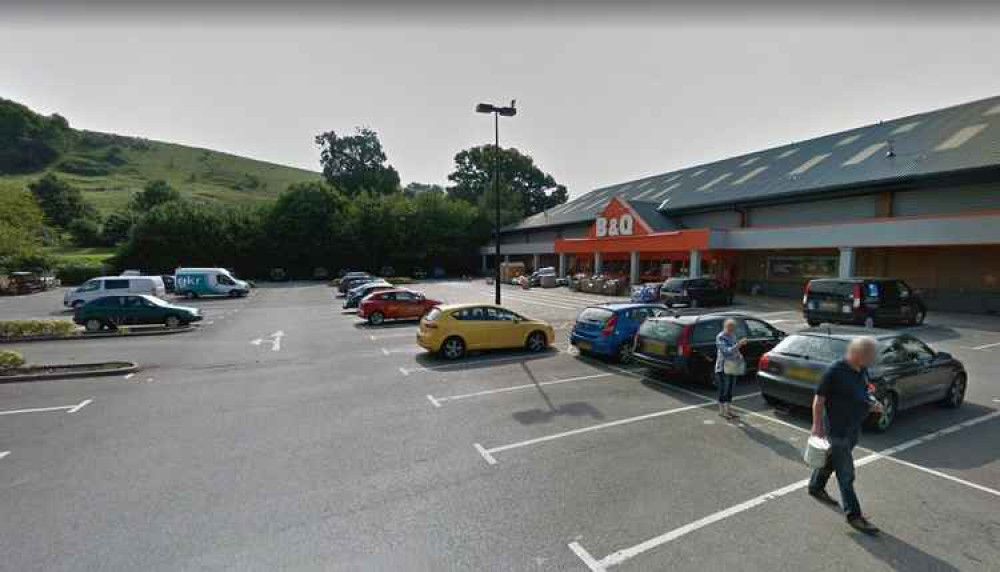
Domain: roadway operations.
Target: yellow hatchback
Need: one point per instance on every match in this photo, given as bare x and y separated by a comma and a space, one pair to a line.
453, 329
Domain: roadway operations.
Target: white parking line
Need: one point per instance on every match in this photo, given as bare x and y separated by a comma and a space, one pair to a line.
625, 554
66, 408
448, 366
373, 337
4, 454
609, 424
985, 346
438, 400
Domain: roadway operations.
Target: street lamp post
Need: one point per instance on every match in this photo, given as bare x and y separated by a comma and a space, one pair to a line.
497, 112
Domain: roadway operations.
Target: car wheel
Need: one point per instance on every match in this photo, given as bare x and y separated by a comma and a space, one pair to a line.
625, 353
919, 317
813, 323
536, 341
869, 322
956, 393
453, 348
172, 321
889, 409
376, 318
234, 293
94, 325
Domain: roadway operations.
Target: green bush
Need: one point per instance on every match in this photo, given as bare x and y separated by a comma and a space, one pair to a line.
83, 166
14, 329
74, 273
10, 359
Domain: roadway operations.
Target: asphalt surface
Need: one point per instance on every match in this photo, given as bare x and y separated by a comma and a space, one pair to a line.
286, 434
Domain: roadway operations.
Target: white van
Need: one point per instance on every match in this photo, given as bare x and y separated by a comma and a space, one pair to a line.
111, 285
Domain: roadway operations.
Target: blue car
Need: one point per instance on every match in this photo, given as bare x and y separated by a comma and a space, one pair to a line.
608, 329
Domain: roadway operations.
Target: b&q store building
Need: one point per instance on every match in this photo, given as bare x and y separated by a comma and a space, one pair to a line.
916, 198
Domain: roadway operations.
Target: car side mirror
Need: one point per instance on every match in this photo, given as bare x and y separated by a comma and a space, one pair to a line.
781, 335
942, 356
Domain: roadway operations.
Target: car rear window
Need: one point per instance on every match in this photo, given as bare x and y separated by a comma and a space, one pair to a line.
594, 315
812, 347
831, 287
433, 314
674, 285
662, 330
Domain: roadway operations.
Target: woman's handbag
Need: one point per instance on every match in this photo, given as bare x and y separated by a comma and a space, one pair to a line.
730, 367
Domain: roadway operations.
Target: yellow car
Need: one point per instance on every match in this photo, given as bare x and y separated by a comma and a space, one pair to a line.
453, 329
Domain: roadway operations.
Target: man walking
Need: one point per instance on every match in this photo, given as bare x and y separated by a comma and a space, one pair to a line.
843, 396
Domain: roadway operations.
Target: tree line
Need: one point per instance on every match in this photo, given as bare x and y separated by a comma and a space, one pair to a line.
357, 215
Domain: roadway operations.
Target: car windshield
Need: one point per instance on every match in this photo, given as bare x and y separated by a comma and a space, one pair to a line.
663, 330
818, 348
155, 301
674, 284
600, 315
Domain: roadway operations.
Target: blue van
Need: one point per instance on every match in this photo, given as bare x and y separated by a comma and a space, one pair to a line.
608, 329
197, 282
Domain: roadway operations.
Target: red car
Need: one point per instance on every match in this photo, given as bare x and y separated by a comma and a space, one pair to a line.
395, 304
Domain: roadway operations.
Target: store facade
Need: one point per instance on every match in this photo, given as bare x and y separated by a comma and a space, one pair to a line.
916, 198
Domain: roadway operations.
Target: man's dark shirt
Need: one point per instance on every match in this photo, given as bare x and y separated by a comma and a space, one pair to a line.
846, 393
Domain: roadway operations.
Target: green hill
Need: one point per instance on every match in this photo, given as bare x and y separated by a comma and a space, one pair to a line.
108, 168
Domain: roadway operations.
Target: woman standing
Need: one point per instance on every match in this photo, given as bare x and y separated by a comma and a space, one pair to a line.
729, 365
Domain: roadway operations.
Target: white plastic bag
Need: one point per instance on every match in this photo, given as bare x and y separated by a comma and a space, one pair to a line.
817, 450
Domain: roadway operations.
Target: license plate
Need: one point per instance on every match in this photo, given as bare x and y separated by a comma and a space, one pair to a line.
803, 374
653, 347
830, 306
585, 346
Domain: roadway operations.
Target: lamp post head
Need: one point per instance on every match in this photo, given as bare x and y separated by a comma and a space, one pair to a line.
485, 108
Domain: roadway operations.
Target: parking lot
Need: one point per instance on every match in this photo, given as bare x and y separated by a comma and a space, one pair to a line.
284, 433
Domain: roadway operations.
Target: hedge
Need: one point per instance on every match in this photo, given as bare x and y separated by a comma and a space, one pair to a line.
10, 359
74, 273
15, 329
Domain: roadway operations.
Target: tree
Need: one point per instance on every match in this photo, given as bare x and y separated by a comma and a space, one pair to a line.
307, 228
154, 194
532, 189
85, 232
61, 202
415, 189
355, 163
21, 223
116, 227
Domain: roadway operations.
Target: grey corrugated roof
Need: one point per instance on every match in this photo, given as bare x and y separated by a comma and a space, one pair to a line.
856, 157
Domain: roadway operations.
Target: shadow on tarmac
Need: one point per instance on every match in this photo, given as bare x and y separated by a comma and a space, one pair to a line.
900, 555
534, 416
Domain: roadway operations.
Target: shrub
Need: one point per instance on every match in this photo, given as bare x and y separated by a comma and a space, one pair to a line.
10, 359
14, 329
83, 166
74, 273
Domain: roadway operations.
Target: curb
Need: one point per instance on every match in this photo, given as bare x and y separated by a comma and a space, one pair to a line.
97, 336
131, 368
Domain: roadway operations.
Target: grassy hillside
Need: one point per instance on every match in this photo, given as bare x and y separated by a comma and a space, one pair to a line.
109, 168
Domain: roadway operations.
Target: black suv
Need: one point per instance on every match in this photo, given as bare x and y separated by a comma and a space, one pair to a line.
695, 292
907, 372
867, 302
685, 345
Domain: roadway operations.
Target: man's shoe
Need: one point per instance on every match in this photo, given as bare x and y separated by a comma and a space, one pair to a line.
861, 524
823, 497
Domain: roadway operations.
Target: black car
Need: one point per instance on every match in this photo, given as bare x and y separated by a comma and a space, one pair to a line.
168, 283
868, 302
695, 292
353, 280
907, 372
685, 345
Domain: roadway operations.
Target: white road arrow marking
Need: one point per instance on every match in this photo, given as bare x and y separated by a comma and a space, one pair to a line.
257, 342
66, 408
276, 340
4, 454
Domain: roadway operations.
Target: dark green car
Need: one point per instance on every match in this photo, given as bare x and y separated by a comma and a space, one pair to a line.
110, 312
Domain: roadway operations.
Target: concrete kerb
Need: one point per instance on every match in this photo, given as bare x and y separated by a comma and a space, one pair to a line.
100, 335
127, 368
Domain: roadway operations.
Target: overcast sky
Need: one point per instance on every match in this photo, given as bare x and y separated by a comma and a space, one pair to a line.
600, 99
